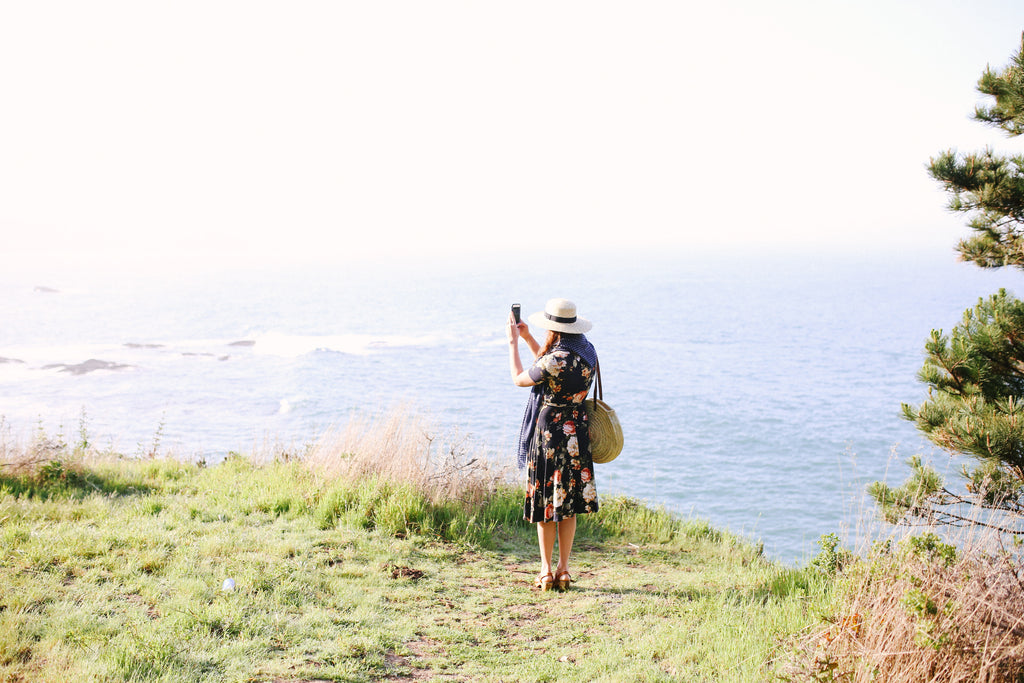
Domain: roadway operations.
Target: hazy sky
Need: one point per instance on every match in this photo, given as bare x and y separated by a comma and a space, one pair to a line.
297, 130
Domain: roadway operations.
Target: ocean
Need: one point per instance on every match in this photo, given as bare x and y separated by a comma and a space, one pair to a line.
759, 391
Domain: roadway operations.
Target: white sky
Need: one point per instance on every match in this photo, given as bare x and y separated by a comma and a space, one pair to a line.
320, 130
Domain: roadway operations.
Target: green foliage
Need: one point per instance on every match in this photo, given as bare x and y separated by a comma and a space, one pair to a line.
56, 473
83, 444
1007, 89
929, 631
989, 187
831, 558
975, 375
994, 486
912, 498
922, 558
919, 610
796, 582
976, 379
930, 547
917, 602
399, 509
624, 516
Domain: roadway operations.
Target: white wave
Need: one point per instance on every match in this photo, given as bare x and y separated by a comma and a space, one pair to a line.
142, 351
14, 371
292, 345
38, 355
134, 352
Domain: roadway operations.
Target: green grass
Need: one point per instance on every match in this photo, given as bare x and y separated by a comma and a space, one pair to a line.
114, 572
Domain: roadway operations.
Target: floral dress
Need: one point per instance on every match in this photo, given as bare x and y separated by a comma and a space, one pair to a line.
560, 471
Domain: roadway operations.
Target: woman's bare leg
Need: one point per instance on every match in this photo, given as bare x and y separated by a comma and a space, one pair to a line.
566, 534
546, 533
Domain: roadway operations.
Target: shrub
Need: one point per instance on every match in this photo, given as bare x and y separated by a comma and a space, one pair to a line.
831, 559
925, 611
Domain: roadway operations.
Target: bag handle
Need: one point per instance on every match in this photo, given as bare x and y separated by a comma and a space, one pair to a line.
598, 389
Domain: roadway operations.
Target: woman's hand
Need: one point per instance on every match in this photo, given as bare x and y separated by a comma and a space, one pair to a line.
515, 330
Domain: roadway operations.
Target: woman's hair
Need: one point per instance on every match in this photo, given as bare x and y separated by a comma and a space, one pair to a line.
549, 341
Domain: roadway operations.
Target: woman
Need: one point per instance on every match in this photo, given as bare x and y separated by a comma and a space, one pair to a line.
554, 442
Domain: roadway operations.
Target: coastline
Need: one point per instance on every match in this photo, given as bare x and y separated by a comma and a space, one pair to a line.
336, 563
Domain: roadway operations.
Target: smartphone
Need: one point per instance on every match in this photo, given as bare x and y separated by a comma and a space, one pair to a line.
515, 312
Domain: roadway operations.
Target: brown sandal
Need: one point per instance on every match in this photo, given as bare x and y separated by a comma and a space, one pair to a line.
546, 582
563, 581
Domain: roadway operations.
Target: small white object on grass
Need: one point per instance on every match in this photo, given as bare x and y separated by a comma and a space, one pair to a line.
229, 584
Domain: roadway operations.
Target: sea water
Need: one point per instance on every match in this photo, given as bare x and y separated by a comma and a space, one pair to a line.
760, 392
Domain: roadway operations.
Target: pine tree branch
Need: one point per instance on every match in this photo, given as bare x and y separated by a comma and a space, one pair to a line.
952, 498
958, 521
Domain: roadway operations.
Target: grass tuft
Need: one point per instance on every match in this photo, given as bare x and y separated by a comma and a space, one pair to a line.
401, 447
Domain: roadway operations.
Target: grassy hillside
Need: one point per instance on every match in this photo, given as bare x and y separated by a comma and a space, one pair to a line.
380, 553
115, 571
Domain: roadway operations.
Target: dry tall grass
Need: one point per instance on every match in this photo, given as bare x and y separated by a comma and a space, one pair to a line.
401, 446
17, 459
925, 611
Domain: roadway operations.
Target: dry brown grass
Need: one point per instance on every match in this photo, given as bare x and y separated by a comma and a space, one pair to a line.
397, 445
921, 613
18, 459
401, 446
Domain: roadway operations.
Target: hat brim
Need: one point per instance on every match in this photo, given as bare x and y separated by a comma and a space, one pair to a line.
539, 319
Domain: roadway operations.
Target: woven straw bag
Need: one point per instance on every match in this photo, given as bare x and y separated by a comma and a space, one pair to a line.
605, 430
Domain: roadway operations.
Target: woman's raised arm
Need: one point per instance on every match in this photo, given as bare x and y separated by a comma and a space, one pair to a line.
519, 377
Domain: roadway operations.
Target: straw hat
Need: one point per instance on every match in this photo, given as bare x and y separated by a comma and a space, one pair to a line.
560, 315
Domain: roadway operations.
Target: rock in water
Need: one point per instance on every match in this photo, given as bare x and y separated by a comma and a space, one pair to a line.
87, 366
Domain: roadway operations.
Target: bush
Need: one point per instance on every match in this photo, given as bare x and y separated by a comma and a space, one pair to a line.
831, 559
925, 611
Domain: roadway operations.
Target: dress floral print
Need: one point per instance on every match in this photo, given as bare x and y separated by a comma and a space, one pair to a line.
560, 471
